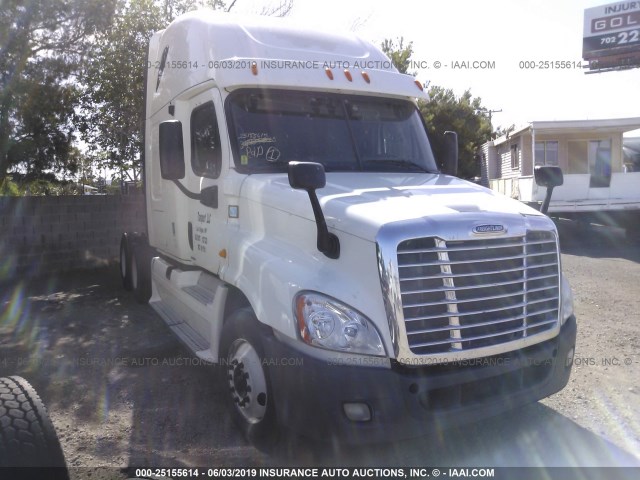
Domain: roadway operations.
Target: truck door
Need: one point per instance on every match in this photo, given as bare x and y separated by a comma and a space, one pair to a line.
207, 153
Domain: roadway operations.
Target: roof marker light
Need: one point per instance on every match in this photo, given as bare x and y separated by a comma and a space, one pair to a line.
419, 85
365, 75
254, 68
347, 74
329, 73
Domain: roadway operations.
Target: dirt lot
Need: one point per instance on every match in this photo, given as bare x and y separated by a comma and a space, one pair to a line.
122, 392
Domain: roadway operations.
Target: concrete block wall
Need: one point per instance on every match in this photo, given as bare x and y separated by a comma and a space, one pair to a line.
45, 235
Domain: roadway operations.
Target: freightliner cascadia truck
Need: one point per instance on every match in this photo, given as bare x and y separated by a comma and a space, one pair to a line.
302, 235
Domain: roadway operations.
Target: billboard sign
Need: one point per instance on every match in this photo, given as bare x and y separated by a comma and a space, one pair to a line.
611, 30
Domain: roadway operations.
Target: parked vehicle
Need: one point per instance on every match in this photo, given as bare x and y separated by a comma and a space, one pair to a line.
300, 233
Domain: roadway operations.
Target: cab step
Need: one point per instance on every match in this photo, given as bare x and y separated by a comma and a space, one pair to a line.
191, 302
188, 335
201, 294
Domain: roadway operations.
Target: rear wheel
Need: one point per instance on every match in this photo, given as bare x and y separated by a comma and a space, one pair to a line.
141, 271
125, 261
27, 436
246, 379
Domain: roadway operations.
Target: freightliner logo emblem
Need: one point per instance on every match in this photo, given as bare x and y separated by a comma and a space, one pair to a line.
489, 229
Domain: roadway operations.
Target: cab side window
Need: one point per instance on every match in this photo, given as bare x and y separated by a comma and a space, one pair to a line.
206, 156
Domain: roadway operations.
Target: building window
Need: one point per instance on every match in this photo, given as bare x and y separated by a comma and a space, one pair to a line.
547, 153
515, 157
206, 156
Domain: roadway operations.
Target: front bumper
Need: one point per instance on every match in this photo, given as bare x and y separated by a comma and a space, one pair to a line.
409, 402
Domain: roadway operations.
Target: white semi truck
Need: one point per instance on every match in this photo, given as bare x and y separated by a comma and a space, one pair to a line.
301, 234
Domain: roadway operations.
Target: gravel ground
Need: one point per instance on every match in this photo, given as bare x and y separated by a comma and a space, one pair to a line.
122, 392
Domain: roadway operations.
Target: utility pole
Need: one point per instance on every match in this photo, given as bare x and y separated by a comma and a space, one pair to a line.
489, 112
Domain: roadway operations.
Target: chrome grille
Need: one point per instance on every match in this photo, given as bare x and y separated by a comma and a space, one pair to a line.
462, 295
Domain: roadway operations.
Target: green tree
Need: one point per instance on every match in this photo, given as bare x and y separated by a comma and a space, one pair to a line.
444, 111
399, 55
113, 85
42, 130
50, 35
113, 82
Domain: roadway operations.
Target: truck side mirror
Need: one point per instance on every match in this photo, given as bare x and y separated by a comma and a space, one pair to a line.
549, 177
171, 150
450, 160
310, 176
306, 175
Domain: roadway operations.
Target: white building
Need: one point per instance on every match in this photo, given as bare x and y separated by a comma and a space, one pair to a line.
597, 172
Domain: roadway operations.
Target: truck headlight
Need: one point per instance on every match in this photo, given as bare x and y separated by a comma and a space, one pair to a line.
327, 323
567, 300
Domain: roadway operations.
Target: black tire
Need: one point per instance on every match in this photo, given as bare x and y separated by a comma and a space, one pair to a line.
141, 270
249, 398
125, 261
27, 436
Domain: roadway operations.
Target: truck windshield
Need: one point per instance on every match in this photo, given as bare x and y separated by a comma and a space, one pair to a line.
270, 128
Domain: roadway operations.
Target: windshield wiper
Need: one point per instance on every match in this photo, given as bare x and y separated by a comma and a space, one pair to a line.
396, 162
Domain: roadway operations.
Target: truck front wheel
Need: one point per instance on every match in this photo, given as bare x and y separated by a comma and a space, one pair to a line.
246, 379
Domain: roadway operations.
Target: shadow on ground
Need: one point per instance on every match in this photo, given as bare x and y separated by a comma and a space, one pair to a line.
596, 241
123, 392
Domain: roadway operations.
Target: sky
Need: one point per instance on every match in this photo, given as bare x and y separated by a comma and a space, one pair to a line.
505, 32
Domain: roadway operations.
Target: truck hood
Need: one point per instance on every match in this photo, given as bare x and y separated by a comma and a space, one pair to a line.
359, 203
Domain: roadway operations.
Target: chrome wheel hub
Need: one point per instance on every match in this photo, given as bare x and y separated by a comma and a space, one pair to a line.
247, 382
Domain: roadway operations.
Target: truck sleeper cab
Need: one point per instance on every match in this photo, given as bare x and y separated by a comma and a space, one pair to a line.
300, 234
